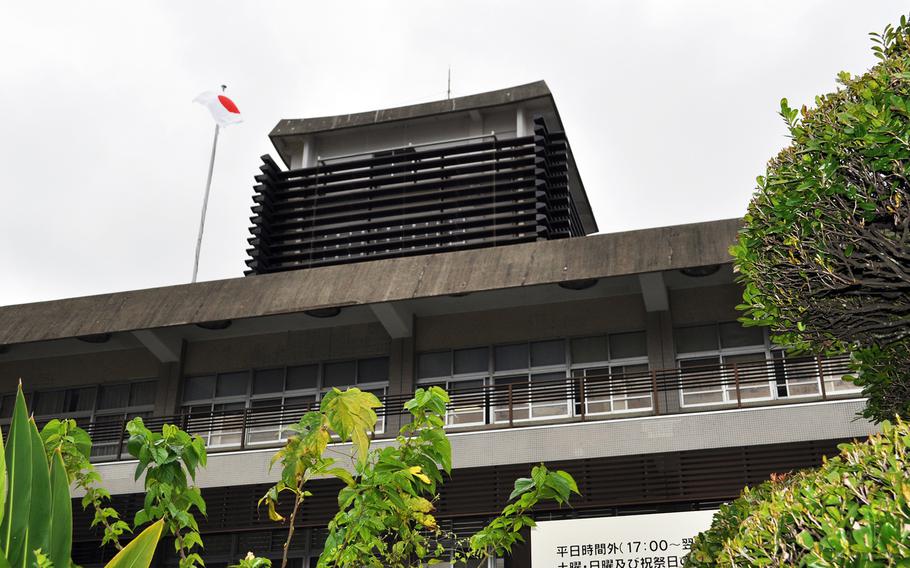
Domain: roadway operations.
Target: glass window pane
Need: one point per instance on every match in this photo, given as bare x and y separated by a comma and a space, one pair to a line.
696, 338
143, 394
373, 370
49, 402
589, 349
6, 407
508, 357
545, 353
80, 400
548, 377
232, 384
268, 381
305, 400
472, 360
303, 377
465, 385
624, 345
431, 365
340, 374
734, 334
114, 396
199, 388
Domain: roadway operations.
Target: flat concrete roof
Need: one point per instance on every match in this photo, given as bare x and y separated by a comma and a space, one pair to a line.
300, 126
378, 281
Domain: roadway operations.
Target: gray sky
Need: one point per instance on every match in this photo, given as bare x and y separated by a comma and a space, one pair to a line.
670, 107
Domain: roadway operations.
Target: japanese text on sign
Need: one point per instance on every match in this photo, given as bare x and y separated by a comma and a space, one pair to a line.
636, 541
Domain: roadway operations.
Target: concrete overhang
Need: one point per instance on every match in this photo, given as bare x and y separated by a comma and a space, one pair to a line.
375, 282
304, 126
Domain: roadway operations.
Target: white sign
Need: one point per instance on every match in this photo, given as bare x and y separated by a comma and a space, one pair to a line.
661, 540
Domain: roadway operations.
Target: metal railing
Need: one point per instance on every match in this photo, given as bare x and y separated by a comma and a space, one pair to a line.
600, 396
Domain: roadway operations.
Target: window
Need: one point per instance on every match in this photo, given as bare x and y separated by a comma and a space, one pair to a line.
268, 400
101, 410
716, 359
615, 374
534, 380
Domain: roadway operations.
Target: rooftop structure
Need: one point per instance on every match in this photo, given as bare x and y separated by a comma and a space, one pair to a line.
478, 171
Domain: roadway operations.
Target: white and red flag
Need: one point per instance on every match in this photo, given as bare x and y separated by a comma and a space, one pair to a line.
223, 109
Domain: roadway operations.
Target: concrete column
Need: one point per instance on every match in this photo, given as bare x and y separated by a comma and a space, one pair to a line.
169, 381
662, 353
401, 375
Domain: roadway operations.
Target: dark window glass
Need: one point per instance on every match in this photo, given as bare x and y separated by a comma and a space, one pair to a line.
472, 360
300, 400
79, 400
6, 406
49, 402
508, 357
465, 385
623, 345
199, 388
733, 334
547, 377
431, 365
143, 394
114, 396
589, 349
232, 384
696, 338
272, 403
340, 374
545, 353
303, 377
373, 370
268, 381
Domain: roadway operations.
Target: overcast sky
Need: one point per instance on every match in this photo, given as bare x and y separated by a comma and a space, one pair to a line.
670, 107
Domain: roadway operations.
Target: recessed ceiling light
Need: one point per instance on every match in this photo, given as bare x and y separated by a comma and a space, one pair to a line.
583, 284
213, 325
95, 338
700, 271
323, 312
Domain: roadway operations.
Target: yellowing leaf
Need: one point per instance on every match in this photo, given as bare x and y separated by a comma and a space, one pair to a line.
351, 416
417, 472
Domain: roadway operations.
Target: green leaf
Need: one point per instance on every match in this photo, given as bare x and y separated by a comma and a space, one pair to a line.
39, 515
522, 485
61, 530
351, 416
14, 528
140, 551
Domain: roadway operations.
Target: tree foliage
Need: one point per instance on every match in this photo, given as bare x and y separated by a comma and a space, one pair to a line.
853, 511
75, 447
168, 459
825, 250
386, 508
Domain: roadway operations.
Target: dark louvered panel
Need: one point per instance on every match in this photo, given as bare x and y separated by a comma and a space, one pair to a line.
637, 484
410, 201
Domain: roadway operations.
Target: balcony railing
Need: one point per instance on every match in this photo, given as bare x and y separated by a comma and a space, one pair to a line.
601, 396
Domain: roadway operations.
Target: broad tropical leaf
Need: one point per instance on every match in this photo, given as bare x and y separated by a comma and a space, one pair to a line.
61, 530
39, 513
351, 416
14, 528
140, 551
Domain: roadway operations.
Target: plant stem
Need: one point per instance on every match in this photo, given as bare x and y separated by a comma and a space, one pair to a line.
298, 499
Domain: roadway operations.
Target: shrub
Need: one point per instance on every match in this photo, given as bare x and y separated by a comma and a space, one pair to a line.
825, 250
853, 511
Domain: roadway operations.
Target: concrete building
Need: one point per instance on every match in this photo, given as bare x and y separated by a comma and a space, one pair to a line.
616, 356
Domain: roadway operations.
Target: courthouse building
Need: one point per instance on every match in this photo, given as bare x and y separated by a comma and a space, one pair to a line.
449, 243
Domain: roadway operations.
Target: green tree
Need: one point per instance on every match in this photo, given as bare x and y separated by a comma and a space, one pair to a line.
75, 447
825, 250
853, 511
169, 459
386, 508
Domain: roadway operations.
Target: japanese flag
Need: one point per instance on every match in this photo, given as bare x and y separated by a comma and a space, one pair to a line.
223, 109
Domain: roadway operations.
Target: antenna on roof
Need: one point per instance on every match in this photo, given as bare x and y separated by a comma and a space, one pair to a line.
449, 88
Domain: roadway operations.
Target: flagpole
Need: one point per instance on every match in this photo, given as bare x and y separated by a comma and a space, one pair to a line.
205, 203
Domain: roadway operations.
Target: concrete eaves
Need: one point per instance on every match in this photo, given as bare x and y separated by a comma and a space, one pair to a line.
366, 283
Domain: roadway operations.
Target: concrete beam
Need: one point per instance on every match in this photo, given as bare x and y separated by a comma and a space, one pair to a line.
166, 350
654, 291
397, 321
